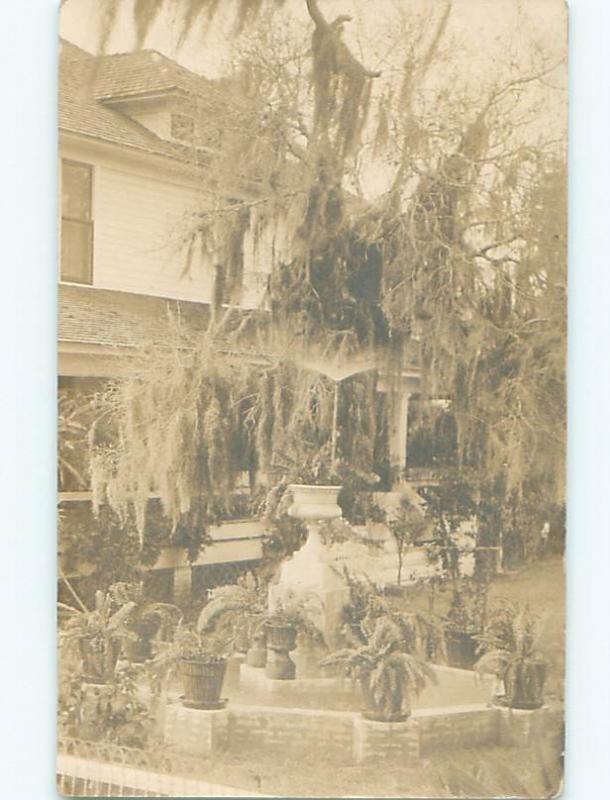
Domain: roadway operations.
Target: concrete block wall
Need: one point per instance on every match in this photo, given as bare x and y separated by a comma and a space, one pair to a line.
346, 736
290, 729
379, 740
520, 728
457, 727
195, 732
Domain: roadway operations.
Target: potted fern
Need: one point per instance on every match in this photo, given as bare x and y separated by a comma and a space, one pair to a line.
144, 621
97, 636
389, 676
465, 622
511, 654
243, 606
282, 625
423, 634
200, 661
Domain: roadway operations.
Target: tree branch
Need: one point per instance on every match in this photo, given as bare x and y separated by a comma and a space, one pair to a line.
334, 30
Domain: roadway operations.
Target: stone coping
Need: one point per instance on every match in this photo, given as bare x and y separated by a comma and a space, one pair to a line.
417, 713
439, 711
447, 710
242, 708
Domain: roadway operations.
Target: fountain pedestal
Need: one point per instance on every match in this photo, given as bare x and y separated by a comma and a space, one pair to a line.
312, 569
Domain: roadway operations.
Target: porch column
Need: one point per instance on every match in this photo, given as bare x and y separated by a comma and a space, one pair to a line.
182, 583
399, 410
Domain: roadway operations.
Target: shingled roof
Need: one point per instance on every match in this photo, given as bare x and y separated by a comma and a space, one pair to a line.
110, 318
125, 75
121, 319
88, 82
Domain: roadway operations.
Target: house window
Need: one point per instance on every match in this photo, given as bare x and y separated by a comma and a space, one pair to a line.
182, 128
76, 223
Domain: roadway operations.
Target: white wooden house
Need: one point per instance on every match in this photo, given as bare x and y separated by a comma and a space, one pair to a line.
128, 191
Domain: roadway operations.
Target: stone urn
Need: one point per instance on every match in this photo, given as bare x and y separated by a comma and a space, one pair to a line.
312, 569
315, 503
281, 639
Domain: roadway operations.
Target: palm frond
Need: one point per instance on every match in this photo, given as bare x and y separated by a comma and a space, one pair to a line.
493, 662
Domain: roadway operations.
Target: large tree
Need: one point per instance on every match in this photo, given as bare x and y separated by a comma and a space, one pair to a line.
456, 249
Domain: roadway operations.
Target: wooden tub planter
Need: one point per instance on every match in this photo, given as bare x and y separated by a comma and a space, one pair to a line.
202, 679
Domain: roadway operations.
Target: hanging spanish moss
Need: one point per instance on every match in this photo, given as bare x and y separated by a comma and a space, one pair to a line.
191, 427
462, 261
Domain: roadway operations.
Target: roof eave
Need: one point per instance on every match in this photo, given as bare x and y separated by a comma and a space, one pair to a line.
118, 147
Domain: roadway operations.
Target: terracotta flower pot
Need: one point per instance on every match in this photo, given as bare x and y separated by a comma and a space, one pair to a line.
202, 681
314, 502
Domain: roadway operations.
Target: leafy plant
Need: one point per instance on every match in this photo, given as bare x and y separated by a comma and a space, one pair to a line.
449, 504
336, 531
389, 676
188, 644
243, 605
146, 618
298, 612
96, 636
468, 607
110, 544
406, 525
74, 417
422, 633
283, 534
510, 645
119, 716
365, 603
311, 466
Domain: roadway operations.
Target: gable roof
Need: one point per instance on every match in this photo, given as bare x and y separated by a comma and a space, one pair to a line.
125, 75
86, 80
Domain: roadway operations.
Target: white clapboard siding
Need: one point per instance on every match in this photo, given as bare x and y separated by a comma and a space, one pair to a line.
140, 222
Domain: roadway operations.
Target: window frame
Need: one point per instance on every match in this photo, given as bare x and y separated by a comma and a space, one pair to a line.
177, 119
87, 279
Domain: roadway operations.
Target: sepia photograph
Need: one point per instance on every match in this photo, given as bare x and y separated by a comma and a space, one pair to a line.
311, 410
